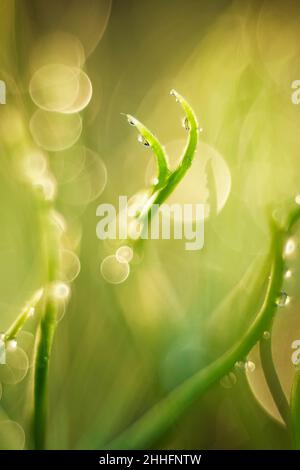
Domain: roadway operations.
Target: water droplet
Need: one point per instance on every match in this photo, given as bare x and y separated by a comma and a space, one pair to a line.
290, 247
239, 365
297, 199
266, 335
250, 366
143, 141
186, 124
131, 120
124, 254
173, 93
228, 381
288, 274
60, 290
283, 299
114, 271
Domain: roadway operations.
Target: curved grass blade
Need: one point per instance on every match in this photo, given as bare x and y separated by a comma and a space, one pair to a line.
149, 139
192, 127
26, 312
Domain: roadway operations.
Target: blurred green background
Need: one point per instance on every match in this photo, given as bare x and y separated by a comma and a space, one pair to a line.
121, 348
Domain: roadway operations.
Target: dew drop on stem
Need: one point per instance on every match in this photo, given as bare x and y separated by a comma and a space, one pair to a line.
186, 124
143, 141
288, 274
283, 299
290, 247
266, 335
239, 365
131, 121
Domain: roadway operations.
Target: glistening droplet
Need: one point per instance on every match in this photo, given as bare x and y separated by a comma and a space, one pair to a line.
173, 93
266, 335
143, 141
130, 120
290, 247
288, 274
239, 365
186, 124
283, 299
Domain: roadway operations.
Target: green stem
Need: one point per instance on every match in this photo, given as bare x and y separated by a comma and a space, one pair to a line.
158, 149
18, 324
295, 410
156, 422
46, 334
189, 151
265, 349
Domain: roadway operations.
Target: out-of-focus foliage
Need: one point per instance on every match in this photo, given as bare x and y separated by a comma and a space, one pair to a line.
120, 348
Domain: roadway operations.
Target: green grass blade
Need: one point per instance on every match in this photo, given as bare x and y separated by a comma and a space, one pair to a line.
189, 151
160, 419
18, 324
149, 139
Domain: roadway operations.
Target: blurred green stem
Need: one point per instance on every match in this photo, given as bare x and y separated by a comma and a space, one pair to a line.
162, 417
46, 333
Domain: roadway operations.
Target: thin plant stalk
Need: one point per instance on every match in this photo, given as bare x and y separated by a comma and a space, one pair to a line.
45, 335
272, 379
15, 328
162, 417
